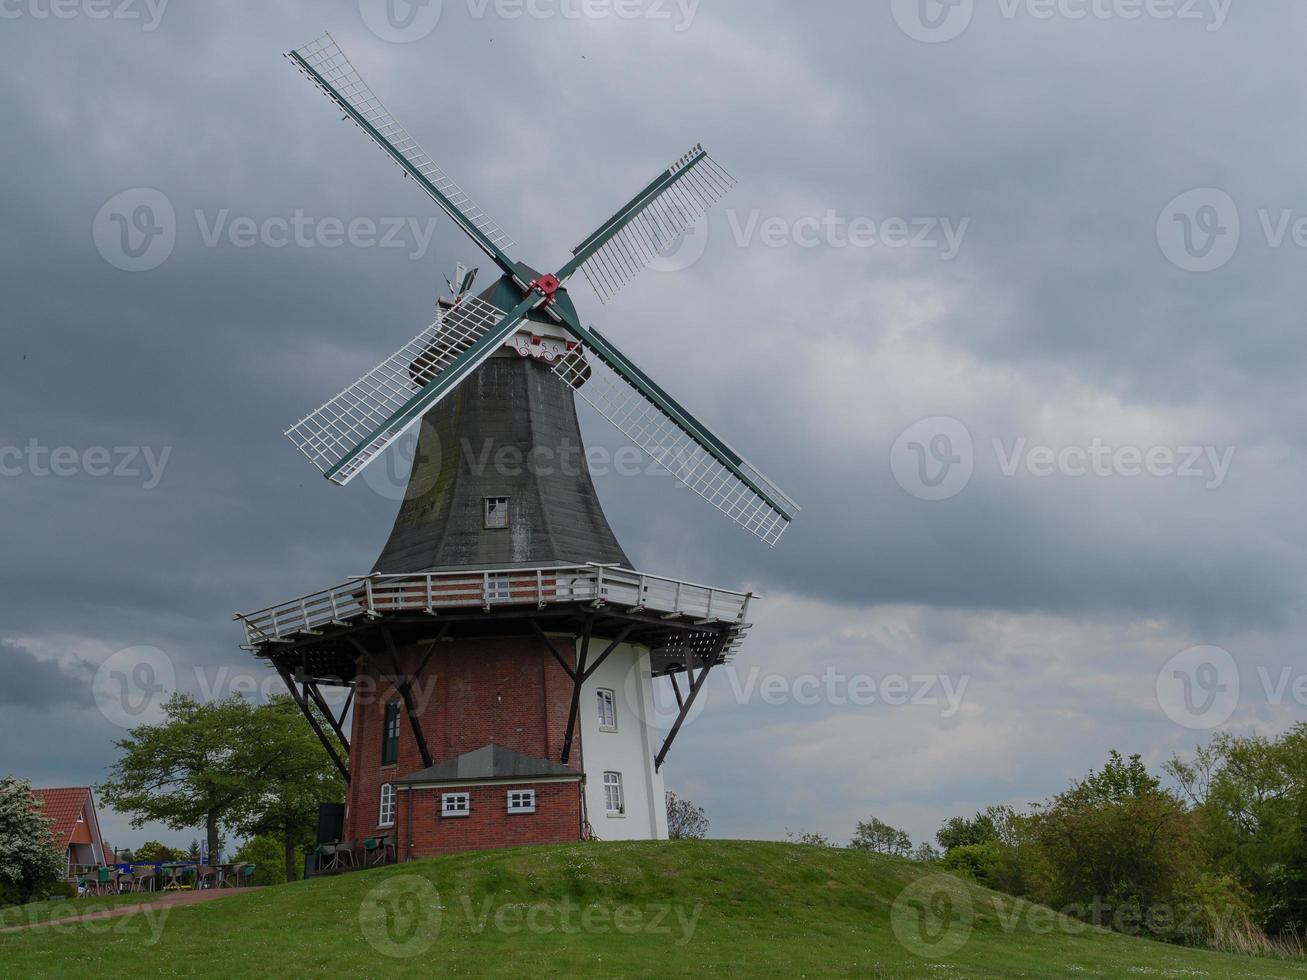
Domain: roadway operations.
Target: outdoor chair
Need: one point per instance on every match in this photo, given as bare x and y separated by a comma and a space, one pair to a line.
143, 880
374, 851
126, 883
327, 857
345, 853
104, 881
205, 876
230, 876
173, 875
247, 874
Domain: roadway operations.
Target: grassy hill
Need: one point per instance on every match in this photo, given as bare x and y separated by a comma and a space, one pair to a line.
709, 908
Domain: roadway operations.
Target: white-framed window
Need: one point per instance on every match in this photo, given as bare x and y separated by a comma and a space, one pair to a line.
521, 801
496, 512
456, 805
386, 815
607, 710
614, 801
499, 586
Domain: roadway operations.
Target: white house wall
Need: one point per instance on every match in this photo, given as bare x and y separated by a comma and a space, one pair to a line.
630, 750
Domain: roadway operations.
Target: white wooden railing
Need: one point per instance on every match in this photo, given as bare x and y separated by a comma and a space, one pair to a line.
599, 585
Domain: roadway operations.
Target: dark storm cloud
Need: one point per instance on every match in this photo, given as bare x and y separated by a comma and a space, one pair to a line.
31, 682
1059, 320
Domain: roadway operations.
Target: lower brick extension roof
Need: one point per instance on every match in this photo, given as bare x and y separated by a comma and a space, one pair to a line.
490, 762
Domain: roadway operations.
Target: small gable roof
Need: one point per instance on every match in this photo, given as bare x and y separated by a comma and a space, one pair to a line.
490, 762
64, 806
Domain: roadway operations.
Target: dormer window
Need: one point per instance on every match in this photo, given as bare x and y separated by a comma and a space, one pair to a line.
496, 512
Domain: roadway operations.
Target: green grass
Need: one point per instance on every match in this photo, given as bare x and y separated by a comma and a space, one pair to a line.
21, 915
710, 908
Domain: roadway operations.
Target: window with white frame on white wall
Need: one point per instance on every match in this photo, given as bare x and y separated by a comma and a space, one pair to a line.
386, 816
614, 801
607, 710
521, 801
456, 804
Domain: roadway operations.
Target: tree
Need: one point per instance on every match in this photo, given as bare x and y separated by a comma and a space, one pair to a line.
194, 769
926, 854
1118, 841
152, 852
961, 832
811, 838
1250, 799
301, 777
685, 821
876, 835
29, 858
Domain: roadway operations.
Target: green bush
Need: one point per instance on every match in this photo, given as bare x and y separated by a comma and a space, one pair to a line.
979, 862
269, 855
9, 894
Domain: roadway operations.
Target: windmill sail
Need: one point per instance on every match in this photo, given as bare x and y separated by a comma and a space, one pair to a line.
650, 223
356, 426
326, 65
627, 398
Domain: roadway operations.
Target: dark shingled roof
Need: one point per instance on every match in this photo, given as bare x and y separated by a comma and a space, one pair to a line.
515, 411
489, 762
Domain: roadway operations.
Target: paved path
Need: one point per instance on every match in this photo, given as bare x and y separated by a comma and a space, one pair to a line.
169, 900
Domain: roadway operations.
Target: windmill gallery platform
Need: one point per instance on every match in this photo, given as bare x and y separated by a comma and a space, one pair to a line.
499, 662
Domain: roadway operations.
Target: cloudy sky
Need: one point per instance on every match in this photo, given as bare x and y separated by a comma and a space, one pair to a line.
1008, 297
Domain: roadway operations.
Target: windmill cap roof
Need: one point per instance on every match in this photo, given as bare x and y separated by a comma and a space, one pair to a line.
490, 762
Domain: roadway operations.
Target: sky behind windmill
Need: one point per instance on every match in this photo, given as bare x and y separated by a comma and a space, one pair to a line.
1008, 297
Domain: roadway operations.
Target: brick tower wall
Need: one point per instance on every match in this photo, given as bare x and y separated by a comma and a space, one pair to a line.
507, 691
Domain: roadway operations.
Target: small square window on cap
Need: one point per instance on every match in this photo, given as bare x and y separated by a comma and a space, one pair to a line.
496, 512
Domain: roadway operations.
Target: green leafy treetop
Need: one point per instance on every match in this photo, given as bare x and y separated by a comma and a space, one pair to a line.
226, 763
876, 835
29, 858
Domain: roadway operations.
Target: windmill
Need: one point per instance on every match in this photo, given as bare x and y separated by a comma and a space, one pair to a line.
502, 595
358, 425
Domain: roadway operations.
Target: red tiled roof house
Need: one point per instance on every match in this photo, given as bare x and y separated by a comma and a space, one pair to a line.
76, 826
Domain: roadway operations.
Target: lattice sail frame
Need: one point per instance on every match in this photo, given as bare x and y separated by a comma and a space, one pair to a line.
326, 58
658, 222
657, 434
365, 413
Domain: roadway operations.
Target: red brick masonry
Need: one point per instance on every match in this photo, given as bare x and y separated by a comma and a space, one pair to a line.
557, 819
506, 691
